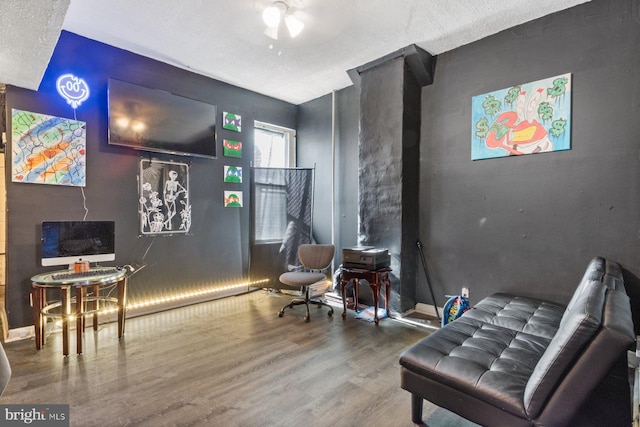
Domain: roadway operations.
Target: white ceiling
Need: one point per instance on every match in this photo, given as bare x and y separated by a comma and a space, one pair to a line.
225, 40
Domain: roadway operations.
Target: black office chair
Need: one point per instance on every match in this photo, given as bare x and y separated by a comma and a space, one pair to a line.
314, 259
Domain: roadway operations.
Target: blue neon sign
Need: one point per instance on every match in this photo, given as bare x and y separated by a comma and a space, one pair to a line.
73, 89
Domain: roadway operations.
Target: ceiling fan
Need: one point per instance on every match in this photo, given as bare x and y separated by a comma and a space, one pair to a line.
276, 13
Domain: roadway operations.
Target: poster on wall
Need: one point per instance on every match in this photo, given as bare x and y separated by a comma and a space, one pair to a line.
233, 174
164, 204
47, 149
232, 148
233, 199
232, 121
529, 118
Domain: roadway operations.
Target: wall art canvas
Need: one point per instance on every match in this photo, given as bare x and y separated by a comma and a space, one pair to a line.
529, 118
232, 121
233, 174
47, 149
164, 205
232, 148
233, 199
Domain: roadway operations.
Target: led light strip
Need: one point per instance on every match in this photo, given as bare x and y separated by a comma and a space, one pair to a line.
191, 294
179, 297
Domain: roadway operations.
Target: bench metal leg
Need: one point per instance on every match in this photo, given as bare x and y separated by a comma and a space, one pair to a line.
416, 409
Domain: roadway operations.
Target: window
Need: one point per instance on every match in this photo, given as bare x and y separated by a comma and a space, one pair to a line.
270, 195
273, 177
274, 146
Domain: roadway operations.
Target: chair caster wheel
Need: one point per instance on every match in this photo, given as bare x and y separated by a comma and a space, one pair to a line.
330, 314
280, 313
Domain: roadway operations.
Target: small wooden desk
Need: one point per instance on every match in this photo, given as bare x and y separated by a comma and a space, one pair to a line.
375, 278
100, 277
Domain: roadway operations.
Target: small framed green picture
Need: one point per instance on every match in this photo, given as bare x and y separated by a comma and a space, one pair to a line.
233, 174
232, 121
232, 148
233, 199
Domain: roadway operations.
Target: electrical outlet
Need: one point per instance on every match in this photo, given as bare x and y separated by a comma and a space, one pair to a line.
465, 292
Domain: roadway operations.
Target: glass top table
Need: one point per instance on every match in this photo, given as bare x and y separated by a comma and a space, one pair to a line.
65, 281
90, 277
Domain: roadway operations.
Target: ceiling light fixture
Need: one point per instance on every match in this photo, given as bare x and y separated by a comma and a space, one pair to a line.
272, 14
275, 14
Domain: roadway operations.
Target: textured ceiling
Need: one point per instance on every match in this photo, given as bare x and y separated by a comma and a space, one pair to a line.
29, 30
225, 39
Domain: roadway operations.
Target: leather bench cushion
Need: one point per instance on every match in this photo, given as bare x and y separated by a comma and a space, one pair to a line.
536, 316
530, 315
596, 361
578, 325
596, 268
613, 277
486, 361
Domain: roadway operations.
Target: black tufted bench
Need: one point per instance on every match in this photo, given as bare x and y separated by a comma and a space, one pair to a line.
519, 361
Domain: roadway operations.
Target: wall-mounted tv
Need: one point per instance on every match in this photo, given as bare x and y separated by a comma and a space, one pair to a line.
155, 120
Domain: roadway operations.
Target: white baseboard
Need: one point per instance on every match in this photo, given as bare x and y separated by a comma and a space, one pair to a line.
23, 333
428, 309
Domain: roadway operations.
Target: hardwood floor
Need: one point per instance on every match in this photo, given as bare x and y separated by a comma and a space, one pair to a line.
230, 362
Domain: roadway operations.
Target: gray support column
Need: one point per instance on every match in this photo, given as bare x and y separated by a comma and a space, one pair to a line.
389, 160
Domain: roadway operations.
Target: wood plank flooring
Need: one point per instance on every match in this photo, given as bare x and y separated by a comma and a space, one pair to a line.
230, 362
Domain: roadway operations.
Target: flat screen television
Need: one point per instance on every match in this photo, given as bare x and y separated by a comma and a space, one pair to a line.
159, 121
68, 242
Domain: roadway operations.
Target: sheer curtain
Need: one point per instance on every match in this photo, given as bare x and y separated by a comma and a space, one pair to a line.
282, 209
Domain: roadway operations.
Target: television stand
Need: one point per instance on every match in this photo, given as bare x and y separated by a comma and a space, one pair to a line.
60, 281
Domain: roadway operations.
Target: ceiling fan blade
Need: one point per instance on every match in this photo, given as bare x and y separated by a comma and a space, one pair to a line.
294, 25
272, 32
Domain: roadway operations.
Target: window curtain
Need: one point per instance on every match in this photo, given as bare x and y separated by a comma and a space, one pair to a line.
282, 209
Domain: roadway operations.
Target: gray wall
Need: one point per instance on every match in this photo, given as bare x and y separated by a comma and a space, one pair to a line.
217, 250
348, 113
530, 224
314, 146
314, 150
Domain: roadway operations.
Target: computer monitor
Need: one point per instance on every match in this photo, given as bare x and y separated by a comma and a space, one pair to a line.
68, 242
